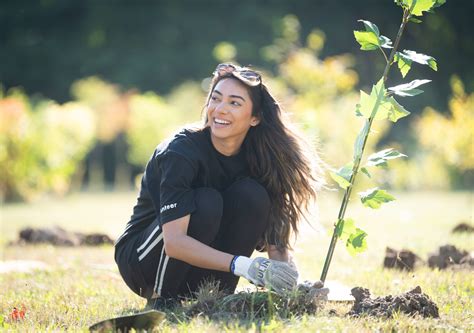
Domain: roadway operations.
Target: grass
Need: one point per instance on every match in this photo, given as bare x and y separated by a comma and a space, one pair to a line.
82, 285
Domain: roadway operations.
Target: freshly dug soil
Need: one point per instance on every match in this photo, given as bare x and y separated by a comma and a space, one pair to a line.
403, 260
257, 305
59, 236
450, 256
413, 302
463, 227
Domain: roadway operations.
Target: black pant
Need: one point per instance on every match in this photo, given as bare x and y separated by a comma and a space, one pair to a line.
232, 221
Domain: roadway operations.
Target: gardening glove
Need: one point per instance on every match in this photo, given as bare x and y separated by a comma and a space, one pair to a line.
319, 293
314, 291
275, 275
292, 264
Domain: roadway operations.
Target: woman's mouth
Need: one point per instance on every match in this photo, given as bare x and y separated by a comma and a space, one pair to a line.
220, 123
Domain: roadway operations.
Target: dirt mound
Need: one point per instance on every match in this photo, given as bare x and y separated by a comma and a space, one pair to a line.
413, 302
463, 227
450, 256
59, 236
306, 299
403, 260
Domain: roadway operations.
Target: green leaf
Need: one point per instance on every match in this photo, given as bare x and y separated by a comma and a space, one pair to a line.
367, 102
396, 111
404, 63
433, 65
369, 26
353, 237
359, 142
356, 243
420, 58
380, 158
414, 20
345, 228
387, 107
341, 181
374, 197
365, 171
439, 3
343, 175
368, 40
417, 7
408, 89
385, 42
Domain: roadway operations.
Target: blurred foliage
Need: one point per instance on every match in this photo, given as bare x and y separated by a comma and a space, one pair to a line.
154, 118
156, 45
224, 52
41, 144
445, 155
150, 122
455, 147
109, 104
145, 118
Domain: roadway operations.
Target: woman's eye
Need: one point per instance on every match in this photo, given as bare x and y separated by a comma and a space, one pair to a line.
235, 103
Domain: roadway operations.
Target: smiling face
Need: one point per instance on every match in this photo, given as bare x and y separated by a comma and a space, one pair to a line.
229, 115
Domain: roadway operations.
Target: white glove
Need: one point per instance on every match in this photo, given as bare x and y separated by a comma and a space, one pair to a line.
314, 292
319, 293
275, 275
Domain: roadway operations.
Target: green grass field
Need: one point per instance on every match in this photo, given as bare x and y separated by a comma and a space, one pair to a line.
82, 285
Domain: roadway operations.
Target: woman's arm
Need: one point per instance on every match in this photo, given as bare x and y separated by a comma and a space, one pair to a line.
180, 246
275, 254
272, 274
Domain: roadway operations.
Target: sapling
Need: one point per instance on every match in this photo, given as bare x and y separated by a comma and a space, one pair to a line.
380, 104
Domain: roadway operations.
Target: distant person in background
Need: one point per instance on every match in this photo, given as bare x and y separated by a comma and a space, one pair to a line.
212, 195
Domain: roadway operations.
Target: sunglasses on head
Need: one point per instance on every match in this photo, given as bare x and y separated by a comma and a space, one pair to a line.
245, 74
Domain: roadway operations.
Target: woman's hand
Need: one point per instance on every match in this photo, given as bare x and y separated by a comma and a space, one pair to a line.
273, 274
282, 255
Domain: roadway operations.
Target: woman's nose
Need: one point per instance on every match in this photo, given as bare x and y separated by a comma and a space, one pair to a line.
221, 108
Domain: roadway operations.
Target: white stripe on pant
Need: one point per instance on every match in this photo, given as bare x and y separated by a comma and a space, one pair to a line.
148, 239
160, 272
159, 277
149, 248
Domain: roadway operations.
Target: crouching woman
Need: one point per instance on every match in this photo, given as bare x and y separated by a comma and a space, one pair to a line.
211, 195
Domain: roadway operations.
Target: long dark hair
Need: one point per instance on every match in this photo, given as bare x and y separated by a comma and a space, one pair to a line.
280, 160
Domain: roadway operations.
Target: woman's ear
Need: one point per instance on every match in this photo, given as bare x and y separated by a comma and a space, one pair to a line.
255, 121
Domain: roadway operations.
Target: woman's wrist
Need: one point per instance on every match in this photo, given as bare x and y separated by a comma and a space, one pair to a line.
232, 264
241, 265
276, 254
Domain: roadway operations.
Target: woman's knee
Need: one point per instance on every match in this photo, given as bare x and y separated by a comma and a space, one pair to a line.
205, 221
250, 196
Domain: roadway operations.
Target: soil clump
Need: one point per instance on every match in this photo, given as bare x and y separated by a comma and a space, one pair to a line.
463, 227
402, 260
60, 237
306, 299
449, 256
413, 302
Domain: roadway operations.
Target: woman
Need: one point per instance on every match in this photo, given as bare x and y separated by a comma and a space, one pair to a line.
210, 196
